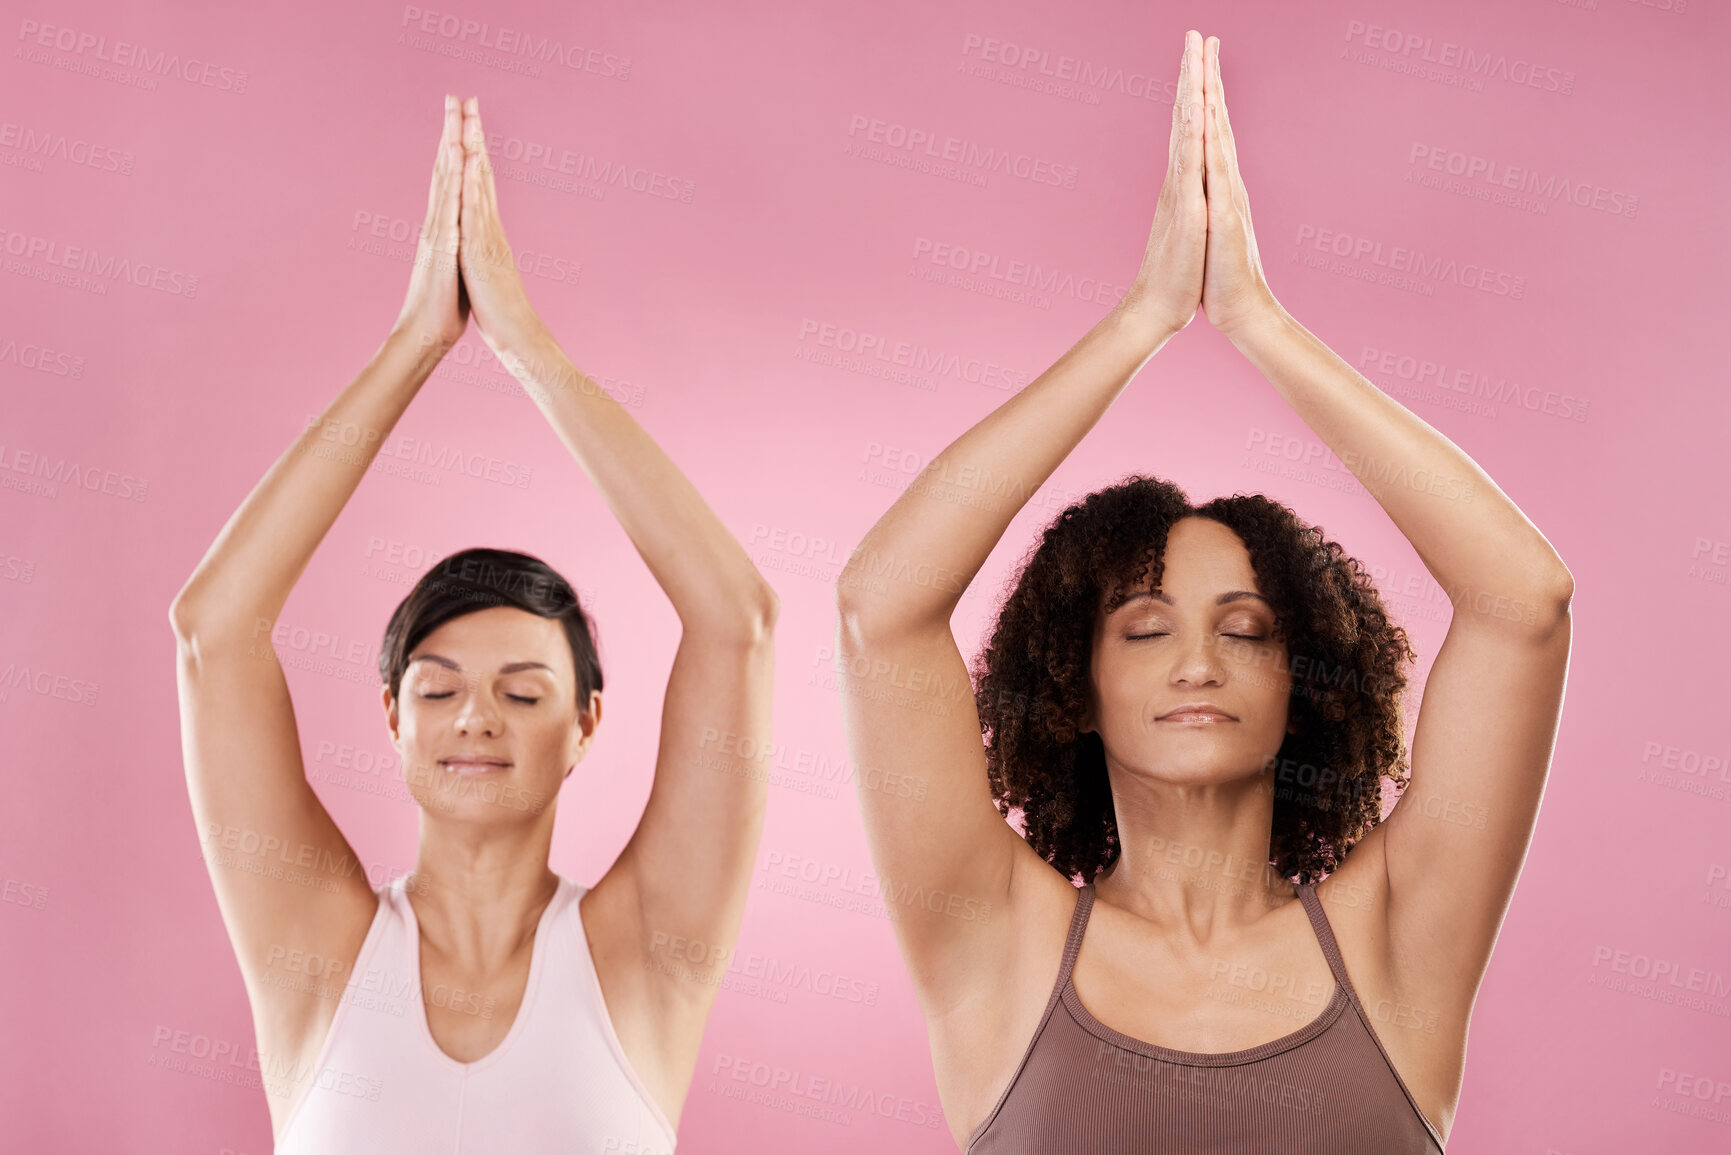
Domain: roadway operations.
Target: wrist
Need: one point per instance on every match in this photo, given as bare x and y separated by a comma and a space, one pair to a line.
524, 337
1257, 325
1145, 332
416, 345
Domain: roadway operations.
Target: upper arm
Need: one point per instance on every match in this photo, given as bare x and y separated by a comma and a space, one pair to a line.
285, 878
1454, 843
684, 876
947, 861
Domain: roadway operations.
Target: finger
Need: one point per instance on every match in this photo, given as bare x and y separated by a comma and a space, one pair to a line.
1214, 148
1228, 142
1185, 158
1192, 151
441, 166
478, 190
1180, 104
484, 159
452, 192
440, 225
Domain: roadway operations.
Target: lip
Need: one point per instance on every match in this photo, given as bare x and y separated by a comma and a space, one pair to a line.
1197, 713
470, 765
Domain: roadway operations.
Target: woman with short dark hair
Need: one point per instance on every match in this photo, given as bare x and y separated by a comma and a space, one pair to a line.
483, 1002
1189, 710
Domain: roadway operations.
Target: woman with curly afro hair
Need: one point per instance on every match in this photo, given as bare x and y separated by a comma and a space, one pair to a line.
1138, 866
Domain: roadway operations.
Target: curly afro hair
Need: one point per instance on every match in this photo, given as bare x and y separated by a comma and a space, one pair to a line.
1346, 659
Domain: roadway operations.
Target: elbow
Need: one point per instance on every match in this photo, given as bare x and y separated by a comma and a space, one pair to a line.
866, 616
756, 626
1565, 592
202, 623
181, 617
852, 607
190, 637
1553, 600
1560, 590
767, 612
862, 621
860, 599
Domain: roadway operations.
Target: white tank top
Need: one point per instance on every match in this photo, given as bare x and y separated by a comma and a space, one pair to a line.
558, 1082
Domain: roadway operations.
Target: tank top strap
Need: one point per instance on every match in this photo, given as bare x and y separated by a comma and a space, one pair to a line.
1325, 936
1078, 925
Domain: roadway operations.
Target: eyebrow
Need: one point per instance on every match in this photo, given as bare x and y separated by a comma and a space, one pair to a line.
1224, 599
508, 668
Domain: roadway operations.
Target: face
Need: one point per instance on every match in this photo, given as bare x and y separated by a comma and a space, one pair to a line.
486, 720
1204, 637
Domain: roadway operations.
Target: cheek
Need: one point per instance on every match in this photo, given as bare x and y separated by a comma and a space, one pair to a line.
1122, 692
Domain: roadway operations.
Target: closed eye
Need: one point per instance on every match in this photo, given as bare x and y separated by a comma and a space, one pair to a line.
513, 697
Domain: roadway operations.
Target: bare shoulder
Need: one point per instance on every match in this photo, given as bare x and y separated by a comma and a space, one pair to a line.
980, 1037
1424, 1031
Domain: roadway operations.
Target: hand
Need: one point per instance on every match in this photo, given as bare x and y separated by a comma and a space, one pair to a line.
1169, 286
1234, 289
502, 309
436, 310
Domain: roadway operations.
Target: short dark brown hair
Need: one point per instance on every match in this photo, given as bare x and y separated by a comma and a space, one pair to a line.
471, 580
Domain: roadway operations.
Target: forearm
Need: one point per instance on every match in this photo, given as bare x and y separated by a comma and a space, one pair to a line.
914, 565
248, 572
1472, 538
697, 561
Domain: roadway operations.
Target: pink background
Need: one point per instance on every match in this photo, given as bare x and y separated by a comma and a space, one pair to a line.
711, 318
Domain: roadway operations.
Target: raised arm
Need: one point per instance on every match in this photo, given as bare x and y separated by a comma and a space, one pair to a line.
1451, 849
944, 855
685, 873
250, 797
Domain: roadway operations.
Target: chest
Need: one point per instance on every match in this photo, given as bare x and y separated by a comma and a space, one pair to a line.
469, 1015
1265, 990
1232, 998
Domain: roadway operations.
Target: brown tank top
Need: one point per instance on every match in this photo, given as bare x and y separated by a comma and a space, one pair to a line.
1327, 1087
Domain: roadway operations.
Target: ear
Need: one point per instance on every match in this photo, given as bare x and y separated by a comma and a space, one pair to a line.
583, 733
390, 705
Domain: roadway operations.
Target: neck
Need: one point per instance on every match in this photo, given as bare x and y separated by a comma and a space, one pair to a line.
1193, 859
479, 889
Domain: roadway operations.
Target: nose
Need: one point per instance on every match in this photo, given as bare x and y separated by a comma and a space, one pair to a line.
476, 715
1198, 661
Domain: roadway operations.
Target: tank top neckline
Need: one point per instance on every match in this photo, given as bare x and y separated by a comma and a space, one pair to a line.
1332, 1011
537, 955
